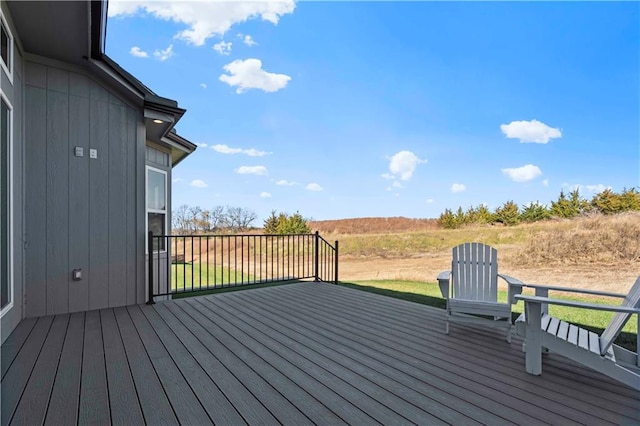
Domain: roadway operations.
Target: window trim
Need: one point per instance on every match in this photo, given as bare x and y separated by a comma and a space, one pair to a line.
9, 248
8, 69
148, 210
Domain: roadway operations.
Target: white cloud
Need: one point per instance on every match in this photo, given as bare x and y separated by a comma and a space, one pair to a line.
395, 185
203, 145
284, 182
314, 187
165, 54
176, 180
265, 195
458, 187
430, 201
251, 152
388, 176
198, 183
597, 188
523, 174
403, 164
530, 131
203, 85
248, 74
545, 183
138, 53
251, 170
204, 19
590, 188
223, 48
249, 41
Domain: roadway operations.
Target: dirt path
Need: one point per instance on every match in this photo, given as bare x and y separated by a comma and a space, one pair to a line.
612, 278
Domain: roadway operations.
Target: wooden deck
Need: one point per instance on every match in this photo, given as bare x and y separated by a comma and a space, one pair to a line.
304, 353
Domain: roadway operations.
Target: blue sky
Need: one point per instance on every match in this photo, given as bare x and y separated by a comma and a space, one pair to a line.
353, 109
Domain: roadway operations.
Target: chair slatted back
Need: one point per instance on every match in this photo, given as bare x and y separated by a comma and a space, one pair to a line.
474, 272
632, 300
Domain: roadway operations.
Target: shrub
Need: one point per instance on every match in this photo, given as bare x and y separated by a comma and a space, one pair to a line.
608, 202
283, 224
508, 214
448, 220
535, 212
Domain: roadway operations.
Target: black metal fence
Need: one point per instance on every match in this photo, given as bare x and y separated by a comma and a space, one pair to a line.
191, 263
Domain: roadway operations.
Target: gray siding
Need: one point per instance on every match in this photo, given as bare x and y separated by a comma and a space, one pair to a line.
14, 94
81, 213
160, 160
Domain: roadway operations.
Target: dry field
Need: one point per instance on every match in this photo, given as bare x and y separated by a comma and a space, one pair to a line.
601, 252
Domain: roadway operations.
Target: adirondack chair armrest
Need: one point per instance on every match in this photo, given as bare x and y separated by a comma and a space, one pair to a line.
515, 287
443, 283
572, 303
543, 290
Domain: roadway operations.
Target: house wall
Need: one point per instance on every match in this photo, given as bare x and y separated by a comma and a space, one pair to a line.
160, 158
13, 93
81, 213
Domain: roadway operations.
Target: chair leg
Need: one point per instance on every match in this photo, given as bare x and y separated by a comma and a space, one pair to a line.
533, 354
446, 322
509, 334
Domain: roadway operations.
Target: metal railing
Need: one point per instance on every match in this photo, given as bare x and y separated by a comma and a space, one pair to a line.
192, 263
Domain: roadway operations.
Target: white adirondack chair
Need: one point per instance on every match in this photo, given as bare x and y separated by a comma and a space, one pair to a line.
543, 332
471, 288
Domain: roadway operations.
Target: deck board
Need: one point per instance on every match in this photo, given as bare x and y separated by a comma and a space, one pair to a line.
186, 406
123, 400
152, 397
33, 405
245, 402
17, 376
94, 396
65, 396
14, 342
306, 353
219, 409
265, 363
499, 390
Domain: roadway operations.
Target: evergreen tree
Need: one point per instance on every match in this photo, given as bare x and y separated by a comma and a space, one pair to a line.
508, 214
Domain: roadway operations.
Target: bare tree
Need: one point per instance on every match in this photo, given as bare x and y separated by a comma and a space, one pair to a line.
194, 215
217, 218
180, 219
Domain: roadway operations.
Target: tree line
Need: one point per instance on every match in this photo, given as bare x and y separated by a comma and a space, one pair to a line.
186, 219
565, 206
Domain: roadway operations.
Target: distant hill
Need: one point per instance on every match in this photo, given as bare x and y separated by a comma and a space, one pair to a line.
373, 225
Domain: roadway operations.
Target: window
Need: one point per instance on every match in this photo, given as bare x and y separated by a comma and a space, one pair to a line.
6, 283
6, 48
157, 204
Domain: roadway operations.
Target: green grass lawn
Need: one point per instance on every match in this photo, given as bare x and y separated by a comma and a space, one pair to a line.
429, 294
194, 276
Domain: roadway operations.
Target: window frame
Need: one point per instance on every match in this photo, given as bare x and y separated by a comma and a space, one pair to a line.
7, 68
156, 211
9, 218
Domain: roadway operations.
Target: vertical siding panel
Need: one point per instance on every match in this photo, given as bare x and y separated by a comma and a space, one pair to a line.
79, 202
141, 212
79, 85
131, 207
57, 240
57, 80
117, 205
36, 194
98, 200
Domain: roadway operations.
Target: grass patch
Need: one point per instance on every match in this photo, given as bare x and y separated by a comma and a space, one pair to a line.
429, 294
193, 276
